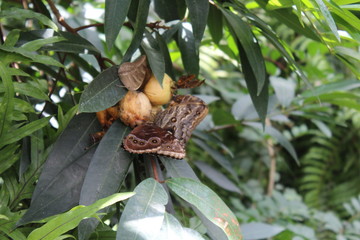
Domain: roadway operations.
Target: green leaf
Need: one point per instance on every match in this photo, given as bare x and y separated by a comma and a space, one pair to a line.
103, 92
8, 156
7, 103
260, 101
106, 173
215, 24
12, 38
17, 134
208, 203
29, 54
24, 14
154, 56
64, 120
62, 176
189, 54
250, 48
331, 87
69, 220
347, 52
328, 18
198, 12
37, 44
346, 15
139, 28
144, 213
30, 90
115, 14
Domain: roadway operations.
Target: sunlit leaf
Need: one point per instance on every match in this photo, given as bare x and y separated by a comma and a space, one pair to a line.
208, 203
143, 215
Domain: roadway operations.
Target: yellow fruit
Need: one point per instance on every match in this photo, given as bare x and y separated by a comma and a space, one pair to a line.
159, 95
135, 109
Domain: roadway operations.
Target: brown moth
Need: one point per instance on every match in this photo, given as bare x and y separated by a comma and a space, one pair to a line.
134, 74
149, 138
171, 129
189, 81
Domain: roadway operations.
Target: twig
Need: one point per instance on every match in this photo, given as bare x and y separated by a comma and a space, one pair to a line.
60, 18
272, 156
88, 26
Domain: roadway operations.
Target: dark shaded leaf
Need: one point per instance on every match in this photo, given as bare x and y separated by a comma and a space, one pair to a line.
215, 24
189, 54
261, 100
250, 49
198, 12
139, 28
103, 92
115, 14
154, 56
208, 203
73, 44
166, 10
144, 213
166, 55
60, 182
105, 174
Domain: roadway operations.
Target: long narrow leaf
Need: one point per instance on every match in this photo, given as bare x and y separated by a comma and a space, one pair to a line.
69, 220
115, 14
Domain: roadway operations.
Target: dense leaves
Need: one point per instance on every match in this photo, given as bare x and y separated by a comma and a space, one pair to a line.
282, 87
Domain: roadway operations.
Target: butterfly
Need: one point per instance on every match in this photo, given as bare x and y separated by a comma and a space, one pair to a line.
170, 130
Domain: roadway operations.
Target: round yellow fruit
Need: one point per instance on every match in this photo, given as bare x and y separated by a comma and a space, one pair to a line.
159, 95
135, 109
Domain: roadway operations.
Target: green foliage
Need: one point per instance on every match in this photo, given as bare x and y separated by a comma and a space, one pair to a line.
283, 94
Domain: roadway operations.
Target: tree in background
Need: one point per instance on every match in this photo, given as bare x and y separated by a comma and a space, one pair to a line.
277, 153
